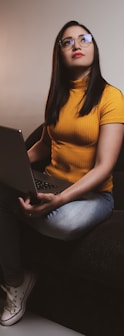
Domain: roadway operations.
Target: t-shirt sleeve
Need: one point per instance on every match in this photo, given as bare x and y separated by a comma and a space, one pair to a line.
112, 106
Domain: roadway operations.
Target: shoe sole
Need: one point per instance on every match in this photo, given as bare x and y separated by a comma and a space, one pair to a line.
21, 312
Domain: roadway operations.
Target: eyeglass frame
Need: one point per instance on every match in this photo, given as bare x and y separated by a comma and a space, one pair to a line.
72, 40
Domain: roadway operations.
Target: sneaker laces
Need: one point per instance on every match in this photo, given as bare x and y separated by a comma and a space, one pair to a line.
11, 303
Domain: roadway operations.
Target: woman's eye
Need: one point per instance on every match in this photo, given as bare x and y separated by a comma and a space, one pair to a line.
66, 43
83, 39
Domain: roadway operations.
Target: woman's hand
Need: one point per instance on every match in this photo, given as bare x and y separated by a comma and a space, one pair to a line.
46, 203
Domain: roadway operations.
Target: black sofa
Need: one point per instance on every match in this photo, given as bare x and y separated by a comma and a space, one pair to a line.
81, 283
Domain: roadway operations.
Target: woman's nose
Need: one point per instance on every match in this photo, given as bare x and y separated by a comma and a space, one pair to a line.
76, 44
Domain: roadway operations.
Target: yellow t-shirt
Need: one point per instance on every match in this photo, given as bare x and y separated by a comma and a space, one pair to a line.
74, 139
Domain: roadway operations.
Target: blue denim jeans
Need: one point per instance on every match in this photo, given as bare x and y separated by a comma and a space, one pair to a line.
74, 219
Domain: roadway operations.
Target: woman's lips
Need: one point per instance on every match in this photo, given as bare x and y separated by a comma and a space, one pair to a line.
77, 55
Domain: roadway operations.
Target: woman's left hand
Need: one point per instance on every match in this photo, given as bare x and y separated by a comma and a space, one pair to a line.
46, 203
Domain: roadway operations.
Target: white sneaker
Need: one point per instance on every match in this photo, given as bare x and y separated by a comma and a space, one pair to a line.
16, 300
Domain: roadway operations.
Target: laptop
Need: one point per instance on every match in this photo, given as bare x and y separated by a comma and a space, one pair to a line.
15, 169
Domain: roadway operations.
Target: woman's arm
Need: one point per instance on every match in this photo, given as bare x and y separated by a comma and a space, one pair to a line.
109, 145
41, 150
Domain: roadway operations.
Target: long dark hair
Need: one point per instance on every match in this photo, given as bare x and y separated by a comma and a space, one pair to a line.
60, 82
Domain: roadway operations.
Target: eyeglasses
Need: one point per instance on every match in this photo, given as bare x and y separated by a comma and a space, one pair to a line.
84, 40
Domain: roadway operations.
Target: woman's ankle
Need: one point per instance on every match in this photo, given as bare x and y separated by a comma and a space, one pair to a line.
16, 282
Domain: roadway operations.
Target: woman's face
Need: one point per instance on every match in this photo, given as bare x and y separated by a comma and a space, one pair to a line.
77, 54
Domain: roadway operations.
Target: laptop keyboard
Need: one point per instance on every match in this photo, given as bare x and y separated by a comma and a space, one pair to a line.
43, 185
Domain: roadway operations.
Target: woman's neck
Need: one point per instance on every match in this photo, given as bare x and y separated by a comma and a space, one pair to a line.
78, 73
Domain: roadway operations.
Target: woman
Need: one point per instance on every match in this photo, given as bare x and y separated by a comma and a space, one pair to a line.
82, 137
